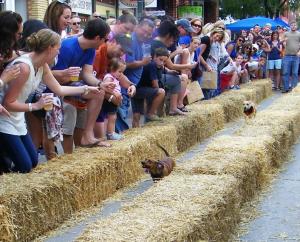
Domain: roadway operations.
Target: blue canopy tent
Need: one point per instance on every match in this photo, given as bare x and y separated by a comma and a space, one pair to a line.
281, 22
248, 23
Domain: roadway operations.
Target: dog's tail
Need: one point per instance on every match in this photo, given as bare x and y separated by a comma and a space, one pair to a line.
164, 150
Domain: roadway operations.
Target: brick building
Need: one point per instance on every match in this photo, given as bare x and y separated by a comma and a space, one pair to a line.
107, 8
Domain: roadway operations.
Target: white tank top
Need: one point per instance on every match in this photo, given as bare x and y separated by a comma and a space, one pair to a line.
15, 124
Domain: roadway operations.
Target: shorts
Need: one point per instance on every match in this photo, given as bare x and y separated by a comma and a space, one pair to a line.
142, 93
274, 64
107, 108
171, 83
73, 118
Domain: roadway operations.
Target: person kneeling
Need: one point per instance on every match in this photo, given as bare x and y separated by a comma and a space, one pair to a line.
149, 88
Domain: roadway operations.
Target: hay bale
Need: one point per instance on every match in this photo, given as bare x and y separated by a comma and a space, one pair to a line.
203, 121
33, 204
5, 225
41, 200
242, 157
232, 105
264, 86
179, 208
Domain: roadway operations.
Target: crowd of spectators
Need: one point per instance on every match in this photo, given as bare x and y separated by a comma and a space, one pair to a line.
64, 83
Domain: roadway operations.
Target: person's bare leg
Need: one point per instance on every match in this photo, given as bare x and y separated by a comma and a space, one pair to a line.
173, 105
35, 127
68, 144
77, 136
272, 77
48, 146
184, 83
277, 78
136, 120
111, 123
94, 106
99, 130
156, 102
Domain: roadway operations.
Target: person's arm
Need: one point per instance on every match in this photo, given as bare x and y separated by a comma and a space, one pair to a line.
10, 101
178, 51
178, 67
127, 84
201, 59
229, 48
55, 87
266, 46
155, 83
185, 59
10, 73
89, 78
138, 63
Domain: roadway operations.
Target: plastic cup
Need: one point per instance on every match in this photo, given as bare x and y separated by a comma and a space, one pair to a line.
48, 106
146, 50
74, 78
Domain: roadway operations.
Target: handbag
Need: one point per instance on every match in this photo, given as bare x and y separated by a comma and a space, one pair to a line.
196, 72
209, 80
194, 93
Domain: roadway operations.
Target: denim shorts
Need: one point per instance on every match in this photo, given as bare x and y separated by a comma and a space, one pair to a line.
274, 64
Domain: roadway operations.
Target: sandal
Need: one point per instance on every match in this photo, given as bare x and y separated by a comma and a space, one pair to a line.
176, 113
95, 144
183, 109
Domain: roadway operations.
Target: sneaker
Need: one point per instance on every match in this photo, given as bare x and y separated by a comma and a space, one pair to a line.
154, 117
231, 87
285, 91
237, 87
114, 136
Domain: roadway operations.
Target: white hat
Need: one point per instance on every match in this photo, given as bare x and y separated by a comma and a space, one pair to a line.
255, 46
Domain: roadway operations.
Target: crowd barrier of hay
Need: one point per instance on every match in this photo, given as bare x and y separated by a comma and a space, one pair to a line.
178, 208
32, 204
175, 209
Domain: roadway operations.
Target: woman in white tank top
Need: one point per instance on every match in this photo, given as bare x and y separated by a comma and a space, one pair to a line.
15, 142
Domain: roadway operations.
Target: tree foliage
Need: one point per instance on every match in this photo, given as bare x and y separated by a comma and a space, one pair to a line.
249, 8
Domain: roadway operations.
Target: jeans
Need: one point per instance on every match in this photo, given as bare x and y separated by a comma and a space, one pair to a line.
290, 64
20, 150
122, 114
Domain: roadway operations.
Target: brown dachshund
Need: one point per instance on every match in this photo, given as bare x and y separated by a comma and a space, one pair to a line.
161, 168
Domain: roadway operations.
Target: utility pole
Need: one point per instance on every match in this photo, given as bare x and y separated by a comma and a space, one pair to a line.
140, 8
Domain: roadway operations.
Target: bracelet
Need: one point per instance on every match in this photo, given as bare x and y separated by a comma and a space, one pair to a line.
1, 83
86, 90
110, 98
30, 107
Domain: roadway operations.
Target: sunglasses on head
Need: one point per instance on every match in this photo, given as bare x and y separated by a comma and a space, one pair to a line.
197, 25
63, 1
76, 23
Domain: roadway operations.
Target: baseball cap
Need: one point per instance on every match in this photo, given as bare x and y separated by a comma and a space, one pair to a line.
184, 40
125, 41
184, 23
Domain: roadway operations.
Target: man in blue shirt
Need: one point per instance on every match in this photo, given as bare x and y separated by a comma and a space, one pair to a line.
77, 54
134, 66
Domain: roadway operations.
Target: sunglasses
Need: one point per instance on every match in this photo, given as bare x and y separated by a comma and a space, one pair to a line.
240, 40
197, 25
76, 23
96, 16
63, 1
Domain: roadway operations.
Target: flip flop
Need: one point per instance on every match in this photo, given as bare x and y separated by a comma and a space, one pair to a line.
90, 145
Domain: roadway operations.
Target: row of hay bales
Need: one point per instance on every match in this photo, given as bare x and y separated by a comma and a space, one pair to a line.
201, 199
32, 204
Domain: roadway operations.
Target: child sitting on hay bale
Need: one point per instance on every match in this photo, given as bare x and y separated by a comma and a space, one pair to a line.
234, 73
150, 88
